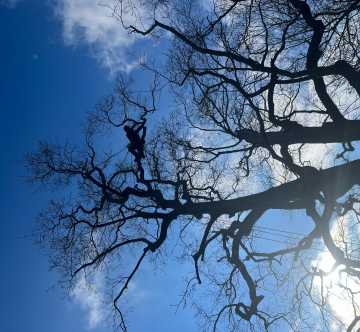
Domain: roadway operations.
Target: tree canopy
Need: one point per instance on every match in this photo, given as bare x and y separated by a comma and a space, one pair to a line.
253, 108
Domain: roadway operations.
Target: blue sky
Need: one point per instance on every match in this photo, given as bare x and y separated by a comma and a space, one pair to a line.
56, 62
49, 80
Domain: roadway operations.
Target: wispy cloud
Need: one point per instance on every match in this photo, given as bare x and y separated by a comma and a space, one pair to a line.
92, 23
89, 295
95, 297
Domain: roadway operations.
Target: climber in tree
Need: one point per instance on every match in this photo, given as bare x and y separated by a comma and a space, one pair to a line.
136, 136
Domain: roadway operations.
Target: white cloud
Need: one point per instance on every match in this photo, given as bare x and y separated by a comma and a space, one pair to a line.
92, 22
89, 295
9, 3
94, 295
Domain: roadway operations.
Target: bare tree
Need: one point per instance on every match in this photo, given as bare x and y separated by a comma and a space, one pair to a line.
256, 86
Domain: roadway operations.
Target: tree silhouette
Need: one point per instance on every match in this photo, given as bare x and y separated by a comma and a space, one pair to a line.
258, 90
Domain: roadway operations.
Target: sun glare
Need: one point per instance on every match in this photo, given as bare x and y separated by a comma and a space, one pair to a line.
339, 289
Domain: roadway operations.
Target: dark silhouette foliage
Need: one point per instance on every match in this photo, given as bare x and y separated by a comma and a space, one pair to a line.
262, 116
